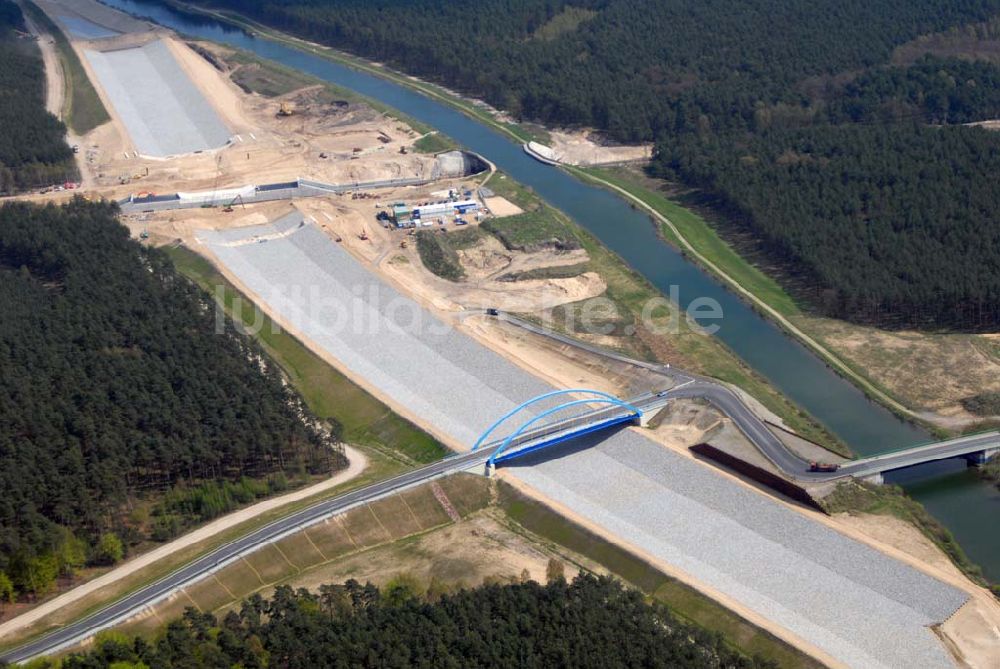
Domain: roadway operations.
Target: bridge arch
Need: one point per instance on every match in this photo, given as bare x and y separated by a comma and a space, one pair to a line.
544, 396
548, 412
598, 397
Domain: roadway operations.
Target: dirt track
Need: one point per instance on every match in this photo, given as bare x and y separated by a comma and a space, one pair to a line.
357, 465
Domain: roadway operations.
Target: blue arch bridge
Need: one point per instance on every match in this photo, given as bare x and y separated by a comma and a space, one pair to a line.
568, 419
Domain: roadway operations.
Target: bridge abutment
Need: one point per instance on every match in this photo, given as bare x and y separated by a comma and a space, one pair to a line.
980, 458
876, 478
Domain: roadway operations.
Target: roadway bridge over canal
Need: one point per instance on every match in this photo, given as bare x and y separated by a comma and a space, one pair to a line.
531, 436
976, 449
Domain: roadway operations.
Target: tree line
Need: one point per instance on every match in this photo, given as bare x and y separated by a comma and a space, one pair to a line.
714, 84
589, 622
121, 393
33, 149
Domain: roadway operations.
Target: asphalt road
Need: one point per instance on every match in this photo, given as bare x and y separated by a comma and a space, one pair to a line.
150, 594
194, 571
685, 385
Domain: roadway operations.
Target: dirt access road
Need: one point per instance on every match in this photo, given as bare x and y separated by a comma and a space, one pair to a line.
357, 464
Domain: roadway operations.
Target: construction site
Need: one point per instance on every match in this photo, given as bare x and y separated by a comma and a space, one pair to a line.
286, 184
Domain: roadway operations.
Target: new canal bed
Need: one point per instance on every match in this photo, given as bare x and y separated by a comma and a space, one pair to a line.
965, 505
843, 597
162, 109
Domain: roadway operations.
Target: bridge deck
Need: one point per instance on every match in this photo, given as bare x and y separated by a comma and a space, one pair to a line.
909, 457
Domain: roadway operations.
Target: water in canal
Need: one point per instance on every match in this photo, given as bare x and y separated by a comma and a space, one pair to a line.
967, 505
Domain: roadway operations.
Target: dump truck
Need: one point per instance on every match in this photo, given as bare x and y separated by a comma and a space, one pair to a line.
823, 467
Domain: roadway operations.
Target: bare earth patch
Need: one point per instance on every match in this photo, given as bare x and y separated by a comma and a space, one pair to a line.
501, 206
464, 553
583, 147
932, 372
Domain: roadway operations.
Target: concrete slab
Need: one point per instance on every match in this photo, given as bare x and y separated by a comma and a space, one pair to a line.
164, 112
860, 606
81, 28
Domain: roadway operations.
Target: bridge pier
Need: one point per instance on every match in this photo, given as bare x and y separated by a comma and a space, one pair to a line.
491, 469
980, 458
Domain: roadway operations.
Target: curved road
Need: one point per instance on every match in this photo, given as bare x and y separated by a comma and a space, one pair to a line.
686, 385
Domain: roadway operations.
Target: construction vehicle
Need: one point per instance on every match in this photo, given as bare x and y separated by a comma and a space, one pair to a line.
229, 207
286, 109
825, 467
364, 235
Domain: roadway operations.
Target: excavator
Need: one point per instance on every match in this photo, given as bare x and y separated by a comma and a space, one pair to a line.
229, 207
286, 109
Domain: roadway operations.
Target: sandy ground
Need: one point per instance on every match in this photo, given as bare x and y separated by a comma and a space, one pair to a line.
358, 463
265, 147
584, 147
55, 89
465, 553
501, 206
484, 264
932, 372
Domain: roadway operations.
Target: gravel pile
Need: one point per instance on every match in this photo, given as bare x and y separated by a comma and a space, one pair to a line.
861, 607
163, 110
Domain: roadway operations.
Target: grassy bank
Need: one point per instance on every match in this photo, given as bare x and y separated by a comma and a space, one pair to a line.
631, 292
696, 239
327, 392
82, 110
434, 142
520, 132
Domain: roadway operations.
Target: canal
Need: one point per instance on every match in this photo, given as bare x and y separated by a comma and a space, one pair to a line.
968, 506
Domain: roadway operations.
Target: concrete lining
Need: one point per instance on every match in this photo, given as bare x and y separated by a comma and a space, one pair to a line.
161, 107
853, 602
81, 28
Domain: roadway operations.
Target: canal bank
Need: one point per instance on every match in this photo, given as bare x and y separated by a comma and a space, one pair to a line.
967, 506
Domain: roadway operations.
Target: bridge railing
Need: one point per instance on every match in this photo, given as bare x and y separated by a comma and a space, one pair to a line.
556, 427
924, 444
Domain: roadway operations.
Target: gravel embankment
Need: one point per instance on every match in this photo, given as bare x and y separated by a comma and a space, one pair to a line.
163, 110
855, 603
